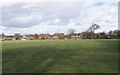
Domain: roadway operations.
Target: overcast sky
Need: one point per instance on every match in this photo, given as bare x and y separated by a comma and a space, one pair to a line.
50, 17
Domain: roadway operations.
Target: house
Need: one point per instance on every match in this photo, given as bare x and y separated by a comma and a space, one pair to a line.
55, 36
44, 36
2, 36
6, 37
28, 37
76, 35
9, 37
36, 36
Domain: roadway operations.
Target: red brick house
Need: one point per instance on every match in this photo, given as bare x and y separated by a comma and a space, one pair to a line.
29, 36
44, 36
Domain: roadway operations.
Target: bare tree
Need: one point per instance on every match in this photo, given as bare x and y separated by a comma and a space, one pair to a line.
110, 34
92, 29
71, 32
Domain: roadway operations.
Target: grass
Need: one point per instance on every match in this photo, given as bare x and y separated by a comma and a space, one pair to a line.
60, 56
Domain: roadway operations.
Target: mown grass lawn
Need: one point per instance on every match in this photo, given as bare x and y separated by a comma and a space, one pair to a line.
60, 56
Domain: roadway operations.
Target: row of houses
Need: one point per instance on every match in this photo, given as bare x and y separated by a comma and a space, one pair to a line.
38, 36
8, 37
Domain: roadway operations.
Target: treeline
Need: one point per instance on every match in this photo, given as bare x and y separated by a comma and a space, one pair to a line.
71, 34
90, 33
115, 34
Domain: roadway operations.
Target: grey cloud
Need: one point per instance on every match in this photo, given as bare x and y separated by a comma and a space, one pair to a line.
75, 15
49, 12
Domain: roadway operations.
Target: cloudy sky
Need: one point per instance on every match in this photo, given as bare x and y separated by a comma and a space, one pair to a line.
50, 17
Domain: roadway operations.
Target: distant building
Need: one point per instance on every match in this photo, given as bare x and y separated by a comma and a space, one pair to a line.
33, 36
40, 36
44, 36
55, 36
76, 36
8, 37
28, 37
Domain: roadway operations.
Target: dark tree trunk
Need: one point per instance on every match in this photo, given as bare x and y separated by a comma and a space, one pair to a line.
92, 35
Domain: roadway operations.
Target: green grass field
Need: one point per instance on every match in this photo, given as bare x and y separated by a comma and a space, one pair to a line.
60, 56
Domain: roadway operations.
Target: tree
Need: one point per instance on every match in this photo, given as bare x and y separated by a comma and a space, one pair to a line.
71, 32
116, 34
61, 36
67, 36
36, 36
92, 29
43, 38
103, 35
88, 35
3, 35
110, 33
17, 36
